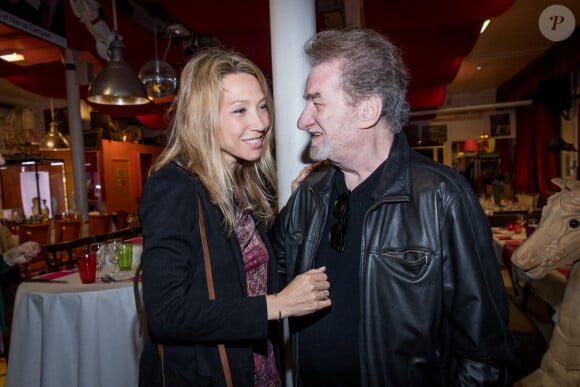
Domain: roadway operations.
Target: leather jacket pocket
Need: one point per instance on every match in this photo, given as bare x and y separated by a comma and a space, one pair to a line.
407, 263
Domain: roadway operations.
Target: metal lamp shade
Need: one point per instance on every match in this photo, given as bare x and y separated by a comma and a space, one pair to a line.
54, 140
117, 84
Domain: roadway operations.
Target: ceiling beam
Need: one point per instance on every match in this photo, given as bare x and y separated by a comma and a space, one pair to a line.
472, 108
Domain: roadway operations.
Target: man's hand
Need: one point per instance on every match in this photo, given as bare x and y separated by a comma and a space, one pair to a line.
22, 253
305, 172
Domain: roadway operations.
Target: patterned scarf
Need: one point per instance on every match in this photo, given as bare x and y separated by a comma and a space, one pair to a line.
256, 263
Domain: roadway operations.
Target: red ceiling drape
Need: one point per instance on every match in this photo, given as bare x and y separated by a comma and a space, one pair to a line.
562, 58
535, 165
433, 41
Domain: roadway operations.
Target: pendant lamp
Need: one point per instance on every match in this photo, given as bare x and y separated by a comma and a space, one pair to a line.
117, 83
159, 78
53, 140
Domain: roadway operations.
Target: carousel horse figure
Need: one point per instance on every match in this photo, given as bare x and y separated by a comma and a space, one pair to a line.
556, 244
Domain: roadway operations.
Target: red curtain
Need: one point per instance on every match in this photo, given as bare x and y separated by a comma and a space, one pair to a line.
534, 164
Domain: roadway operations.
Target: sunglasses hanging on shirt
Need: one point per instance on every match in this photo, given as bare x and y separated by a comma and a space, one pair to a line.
337, 235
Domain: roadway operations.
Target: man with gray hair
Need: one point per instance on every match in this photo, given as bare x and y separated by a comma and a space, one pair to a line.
417, 294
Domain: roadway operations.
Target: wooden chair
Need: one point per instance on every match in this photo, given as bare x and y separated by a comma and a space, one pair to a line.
124, 233
39, 233
100, 224
58, 256
62, 256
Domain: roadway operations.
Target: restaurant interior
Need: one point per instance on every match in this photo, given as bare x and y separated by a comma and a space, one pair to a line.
494, 88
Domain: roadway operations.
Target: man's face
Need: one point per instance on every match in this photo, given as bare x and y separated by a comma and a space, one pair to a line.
327, 116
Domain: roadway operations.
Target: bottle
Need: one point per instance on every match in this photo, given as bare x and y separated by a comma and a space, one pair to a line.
531, 226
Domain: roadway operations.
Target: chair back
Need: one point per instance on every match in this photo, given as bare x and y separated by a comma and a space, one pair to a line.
63, 255
39, 233
141, 315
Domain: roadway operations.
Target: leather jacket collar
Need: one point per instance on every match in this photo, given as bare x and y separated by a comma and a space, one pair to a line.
395, 182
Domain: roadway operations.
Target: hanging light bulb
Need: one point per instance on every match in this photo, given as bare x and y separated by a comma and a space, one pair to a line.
117, 84
53, 140
159, 78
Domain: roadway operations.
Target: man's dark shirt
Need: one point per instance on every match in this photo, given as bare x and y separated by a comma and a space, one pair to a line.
329, 340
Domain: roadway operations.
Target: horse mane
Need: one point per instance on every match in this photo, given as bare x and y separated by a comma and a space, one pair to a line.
569, 196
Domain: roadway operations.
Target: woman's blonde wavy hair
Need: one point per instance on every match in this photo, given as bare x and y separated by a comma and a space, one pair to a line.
193, 140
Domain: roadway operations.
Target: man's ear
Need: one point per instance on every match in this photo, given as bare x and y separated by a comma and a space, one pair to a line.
369, 111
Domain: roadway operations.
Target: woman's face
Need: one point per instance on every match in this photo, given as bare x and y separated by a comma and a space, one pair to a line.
243, 118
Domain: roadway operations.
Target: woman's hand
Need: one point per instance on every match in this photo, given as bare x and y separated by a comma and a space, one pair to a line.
22, 253
307, 293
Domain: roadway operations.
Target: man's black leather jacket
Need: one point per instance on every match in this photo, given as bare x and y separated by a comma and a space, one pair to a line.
434, 311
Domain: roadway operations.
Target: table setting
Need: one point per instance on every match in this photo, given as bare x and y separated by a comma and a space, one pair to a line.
550, 288
77, 327
503, 236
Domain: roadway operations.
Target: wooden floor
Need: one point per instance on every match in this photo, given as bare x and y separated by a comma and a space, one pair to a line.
2, 371
531, 329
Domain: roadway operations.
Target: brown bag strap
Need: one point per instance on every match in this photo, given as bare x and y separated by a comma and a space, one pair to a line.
210, 289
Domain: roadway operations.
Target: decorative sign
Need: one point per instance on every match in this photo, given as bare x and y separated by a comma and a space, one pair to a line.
500, 124
557, 23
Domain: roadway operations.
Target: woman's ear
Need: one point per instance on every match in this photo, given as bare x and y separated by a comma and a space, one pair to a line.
370, 111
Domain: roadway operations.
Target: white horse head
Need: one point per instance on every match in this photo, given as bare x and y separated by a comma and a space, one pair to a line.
556, 242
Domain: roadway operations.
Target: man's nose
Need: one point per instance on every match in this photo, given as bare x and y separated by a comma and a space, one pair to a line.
305, 120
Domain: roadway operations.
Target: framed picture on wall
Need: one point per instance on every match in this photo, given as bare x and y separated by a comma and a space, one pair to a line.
433, 134
501, 124
92, 139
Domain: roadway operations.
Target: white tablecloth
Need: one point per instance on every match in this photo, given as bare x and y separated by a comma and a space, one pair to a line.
74, 335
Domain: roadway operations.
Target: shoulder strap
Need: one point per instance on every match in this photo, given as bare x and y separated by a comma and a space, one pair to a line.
210, 289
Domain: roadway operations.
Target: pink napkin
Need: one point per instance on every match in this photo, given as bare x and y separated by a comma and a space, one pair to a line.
56, 274
140, 278
138, 239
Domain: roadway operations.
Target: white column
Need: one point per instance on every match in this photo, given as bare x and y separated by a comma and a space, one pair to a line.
292, 22
76, 133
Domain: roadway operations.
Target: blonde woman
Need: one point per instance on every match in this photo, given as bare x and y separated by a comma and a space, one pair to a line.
220, 151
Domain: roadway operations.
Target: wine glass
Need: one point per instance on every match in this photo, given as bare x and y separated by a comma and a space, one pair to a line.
101, 252
113, 245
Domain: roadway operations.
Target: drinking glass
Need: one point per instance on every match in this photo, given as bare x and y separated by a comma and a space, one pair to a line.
125, 255
519, 224
87, 263
113, 247
100, 250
